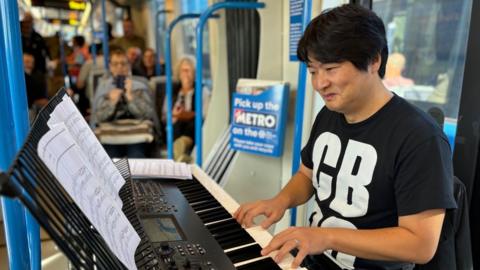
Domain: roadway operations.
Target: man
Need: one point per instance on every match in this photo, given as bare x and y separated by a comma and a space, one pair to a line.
35, 83
129, 38
34, 43
122, 97
379, 169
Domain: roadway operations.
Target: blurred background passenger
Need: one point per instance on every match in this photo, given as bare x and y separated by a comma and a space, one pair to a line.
134, 55
183, 112
35, 84
146, 68
86, 71
78, 57
121, 97
129, 39
394, 72
34, 43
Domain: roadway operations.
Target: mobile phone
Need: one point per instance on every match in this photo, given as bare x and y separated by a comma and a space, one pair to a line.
119, 82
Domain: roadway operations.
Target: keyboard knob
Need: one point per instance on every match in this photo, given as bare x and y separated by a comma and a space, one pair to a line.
165, 249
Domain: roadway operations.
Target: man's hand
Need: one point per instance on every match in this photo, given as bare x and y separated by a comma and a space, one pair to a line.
114, 95
307, 240
273, 209
128, 89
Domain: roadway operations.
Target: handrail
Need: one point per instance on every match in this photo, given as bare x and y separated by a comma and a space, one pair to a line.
299, 103
21, 230
198, 69
106, 53
168, 75
94, 45
158, 68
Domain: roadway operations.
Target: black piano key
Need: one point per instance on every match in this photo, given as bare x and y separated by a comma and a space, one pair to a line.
206, 205
195, 198
234, 240
224, 226
245, 253
214, 215
266, 263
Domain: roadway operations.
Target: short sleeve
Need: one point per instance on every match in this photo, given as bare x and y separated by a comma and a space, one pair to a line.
306, 154
424, 177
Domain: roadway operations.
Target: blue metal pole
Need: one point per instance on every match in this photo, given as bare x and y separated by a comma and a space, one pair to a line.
169, 82
198, 69
158, 68
19, 224
106, 53
94, 45
299, 103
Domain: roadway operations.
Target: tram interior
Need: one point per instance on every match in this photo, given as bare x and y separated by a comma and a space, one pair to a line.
428, 53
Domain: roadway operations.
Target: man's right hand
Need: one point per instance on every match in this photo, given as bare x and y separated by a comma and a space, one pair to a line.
114, 95
272, 209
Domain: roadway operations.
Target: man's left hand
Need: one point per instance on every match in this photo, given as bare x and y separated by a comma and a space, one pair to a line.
306, 240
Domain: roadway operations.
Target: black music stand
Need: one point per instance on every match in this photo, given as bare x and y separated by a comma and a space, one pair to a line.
30, 181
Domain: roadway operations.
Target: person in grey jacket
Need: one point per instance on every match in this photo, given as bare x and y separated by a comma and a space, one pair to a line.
121, 96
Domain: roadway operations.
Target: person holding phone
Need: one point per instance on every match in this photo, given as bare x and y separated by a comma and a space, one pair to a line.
121, 96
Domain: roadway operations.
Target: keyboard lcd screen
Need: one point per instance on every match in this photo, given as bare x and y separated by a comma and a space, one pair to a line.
161, 229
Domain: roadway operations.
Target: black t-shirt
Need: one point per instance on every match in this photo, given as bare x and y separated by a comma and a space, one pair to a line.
367, 174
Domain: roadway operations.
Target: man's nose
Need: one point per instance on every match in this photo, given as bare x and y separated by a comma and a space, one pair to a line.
320, 81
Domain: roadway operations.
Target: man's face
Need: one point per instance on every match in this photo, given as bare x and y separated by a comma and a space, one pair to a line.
26, 25
132, 54
28, 63
119, 65
149, 58
127, 28
342, 86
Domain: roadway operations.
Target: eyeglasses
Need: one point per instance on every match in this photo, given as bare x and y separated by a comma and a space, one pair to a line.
119, 64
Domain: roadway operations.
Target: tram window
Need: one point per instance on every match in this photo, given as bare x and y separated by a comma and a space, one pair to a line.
427, 43
189, 35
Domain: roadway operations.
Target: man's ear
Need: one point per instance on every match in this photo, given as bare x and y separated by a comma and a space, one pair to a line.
374, 66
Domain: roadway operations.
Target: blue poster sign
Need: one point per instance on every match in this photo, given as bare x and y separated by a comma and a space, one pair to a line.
296, 14
258, 121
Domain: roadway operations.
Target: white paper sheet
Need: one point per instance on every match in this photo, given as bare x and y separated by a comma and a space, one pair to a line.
68, 162
98, 160
159, 168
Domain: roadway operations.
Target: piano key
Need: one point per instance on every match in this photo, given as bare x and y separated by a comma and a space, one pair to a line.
245, 253
266, 263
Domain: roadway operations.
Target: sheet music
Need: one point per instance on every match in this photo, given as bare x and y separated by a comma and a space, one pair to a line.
69, 163
159, 168
98, 160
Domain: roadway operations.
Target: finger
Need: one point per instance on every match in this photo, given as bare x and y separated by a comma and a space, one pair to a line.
278, 240
302, 253
286, 247
251, 215
240, 213
272, 218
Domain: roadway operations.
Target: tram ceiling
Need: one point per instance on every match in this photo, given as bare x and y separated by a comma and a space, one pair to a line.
77, 5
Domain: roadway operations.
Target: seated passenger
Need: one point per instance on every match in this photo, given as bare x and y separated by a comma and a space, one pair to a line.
123, 106
146, 67
35, 84
183, 111
393, 72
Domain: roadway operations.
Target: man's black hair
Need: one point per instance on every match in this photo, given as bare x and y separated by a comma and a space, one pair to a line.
345, 33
